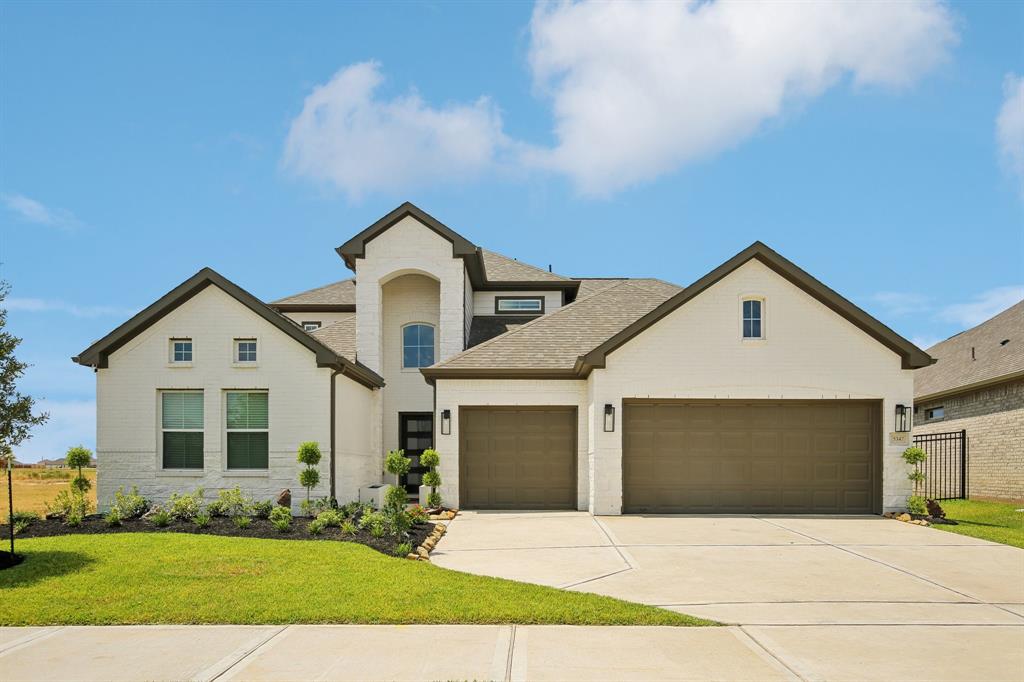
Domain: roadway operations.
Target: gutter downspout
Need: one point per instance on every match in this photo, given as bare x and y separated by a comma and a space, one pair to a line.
334, 373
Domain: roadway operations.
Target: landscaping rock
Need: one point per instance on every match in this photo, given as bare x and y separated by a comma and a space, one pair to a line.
284, 498
904, 517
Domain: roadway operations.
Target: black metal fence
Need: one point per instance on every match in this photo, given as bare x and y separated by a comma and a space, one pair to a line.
946, 468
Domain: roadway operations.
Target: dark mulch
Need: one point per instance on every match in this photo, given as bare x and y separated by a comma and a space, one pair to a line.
259, 528
7, 560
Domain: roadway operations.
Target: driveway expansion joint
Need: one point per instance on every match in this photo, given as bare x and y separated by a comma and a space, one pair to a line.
224, 670
775, 657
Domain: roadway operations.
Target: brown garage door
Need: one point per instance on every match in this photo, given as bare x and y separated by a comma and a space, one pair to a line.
733, 456
517, 458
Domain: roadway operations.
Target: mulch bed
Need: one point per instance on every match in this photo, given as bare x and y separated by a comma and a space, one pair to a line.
259, 528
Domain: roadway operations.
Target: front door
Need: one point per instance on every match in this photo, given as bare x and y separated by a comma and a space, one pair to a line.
415, 434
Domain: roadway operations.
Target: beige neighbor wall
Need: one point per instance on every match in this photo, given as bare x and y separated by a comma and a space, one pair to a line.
697, 351
323, 318
127, 400
994, 420
455, 393
483, 301
407, 299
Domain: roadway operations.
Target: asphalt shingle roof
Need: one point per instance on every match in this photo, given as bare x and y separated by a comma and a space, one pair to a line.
336, 293
956, 367
499, 268
339, 337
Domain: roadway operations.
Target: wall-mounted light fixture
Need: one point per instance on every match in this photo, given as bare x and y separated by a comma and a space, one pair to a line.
446, 422
902, 419
609, 417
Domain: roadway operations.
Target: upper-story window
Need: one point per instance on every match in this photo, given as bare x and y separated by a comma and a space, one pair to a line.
181, 350
753, 318
519, 304
245, 350
311, 325
417, 346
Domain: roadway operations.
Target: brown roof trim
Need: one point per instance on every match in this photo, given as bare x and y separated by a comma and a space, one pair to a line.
98, 353
431, 374
968, 388
913, 357
461, 248
313, 307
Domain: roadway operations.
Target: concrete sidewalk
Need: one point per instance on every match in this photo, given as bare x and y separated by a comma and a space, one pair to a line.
482, 652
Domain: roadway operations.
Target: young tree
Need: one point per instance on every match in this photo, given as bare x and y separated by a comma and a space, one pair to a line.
16, 416
78, 457
914, 456
398, 464
430, 459
309, 454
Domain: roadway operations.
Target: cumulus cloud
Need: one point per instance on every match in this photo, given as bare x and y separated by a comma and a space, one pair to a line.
983, 306
899, 303
72, 422
642, 88
1010, 127
350, 137
40, 305
32, 211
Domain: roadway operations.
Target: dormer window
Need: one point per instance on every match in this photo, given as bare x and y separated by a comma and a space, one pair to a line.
753, 318
310, 325
522, 305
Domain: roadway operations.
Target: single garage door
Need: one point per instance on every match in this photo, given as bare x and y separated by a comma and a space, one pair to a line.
517, 458
764, 457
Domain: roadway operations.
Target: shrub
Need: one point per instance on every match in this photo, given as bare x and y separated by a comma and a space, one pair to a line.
161, 518
215, 508
914, 456
242, 522
26, 516
202, 520
187, 506
131, 505
76, 458
74, 519
403, 549
348, 528
397, 523
21, 525
282, 525
113, 517
431, 459
378, 531
434, 500
261, 510
281, 519
375, 522
68, 502
309, 454
418, 514
349, 509
329, 518
315, 527
233, 503
917, 505
314, 507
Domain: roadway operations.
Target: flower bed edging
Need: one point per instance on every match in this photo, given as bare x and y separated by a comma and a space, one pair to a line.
422, 553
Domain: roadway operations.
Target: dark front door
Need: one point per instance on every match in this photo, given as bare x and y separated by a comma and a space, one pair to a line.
415, 434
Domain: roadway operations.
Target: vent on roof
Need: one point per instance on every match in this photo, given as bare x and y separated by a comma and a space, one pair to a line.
1004, 342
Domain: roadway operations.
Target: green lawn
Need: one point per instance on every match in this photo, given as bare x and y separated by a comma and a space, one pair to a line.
995, 521
171, 578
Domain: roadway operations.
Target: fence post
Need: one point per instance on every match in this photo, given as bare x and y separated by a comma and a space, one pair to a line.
963, 464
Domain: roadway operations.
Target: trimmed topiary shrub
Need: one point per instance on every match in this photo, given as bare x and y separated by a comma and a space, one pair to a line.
431, 459
309, 454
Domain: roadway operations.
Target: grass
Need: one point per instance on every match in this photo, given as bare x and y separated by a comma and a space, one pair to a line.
149, 578
33, 488
995, 521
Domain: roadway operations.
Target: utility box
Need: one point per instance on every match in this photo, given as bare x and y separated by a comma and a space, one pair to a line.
374, 494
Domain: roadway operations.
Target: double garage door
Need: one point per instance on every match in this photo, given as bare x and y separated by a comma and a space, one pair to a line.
762, 457
683, 457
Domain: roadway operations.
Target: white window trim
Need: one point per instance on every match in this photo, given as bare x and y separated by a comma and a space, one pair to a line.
160, 471
242, 473
170, 352
234, 352
764, 318
318, 324
401, 345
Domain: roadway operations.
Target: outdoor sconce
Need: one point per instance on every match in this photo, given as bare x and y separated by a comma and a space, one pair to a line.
902, 419
609, 417
446, 422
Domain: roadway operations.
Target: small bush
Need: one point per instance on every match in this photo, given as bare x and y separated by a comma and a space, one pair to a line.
329, 518
281, 519
234, 503
432, 478
349, 509
215, 508
348, 528
26, 516
418, 514
131, 505
309, 454
261, 510
113, 517
395, 498
202, 520
282, 526
74, 519
161, 518
314, 507
917, 505
20, 526
375, 523
403, 549
68, 502
378, 531
242, 522
187, 506
434, 500
315, 527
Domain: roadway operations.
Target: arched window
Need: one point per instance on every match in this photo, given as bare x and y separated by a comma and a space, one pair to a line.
417, 346
753, 318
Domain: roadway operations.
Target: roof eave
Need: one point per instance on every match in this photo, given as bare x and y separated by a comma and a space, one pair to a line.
967, 388
432, 374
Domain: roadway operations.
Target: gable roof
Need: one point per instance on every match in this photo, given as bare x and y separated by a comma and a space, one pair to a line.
338, 336
576, 339
976, 357
507, 272
337, 297
97, 354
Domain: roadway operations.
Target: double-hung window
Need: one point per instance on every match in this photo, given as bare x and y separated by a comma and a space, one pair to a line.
247, 422
181, 422
753, 323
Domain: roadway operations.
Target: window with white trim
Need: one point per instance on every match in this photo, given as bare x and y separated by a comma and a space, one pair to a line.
181, 427
311, 325
181, 350
245, 350
417, 346
519, 304
753, 322
246, 423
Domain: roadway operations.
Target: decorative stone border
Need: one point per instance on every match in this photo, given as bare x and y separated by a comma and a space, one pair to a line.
906, 518
422, 553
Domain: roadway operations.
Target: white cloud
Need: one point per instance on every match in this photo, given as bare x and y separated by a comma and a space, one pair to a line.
983, 306
32, 211
350, 137
1010, 127
925, 341
72, 422
898, 303
39, 305
642, 88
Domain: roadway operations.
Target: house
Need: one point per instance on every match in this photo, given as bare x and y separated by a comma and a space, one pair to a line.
977, 386
754, 389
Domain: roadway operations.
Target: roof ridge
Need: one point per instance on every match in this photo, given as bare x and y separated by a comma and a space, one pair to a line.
524, 264
310, 291
525, 325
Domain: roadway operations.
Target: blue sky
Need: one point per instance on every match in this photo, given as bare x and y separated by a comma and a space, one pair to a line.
880, 147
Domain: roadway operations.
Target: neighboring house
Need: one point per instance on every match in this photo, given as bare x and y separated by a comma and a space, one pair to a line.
977, 385
755, 389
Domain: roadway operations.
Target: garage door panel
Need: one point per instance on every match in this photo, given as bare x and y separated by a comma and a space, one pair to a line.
518, 458
750, 457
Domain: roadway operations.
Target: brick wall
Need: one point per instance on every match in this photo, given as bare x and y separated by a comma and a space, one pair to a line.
994, 420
